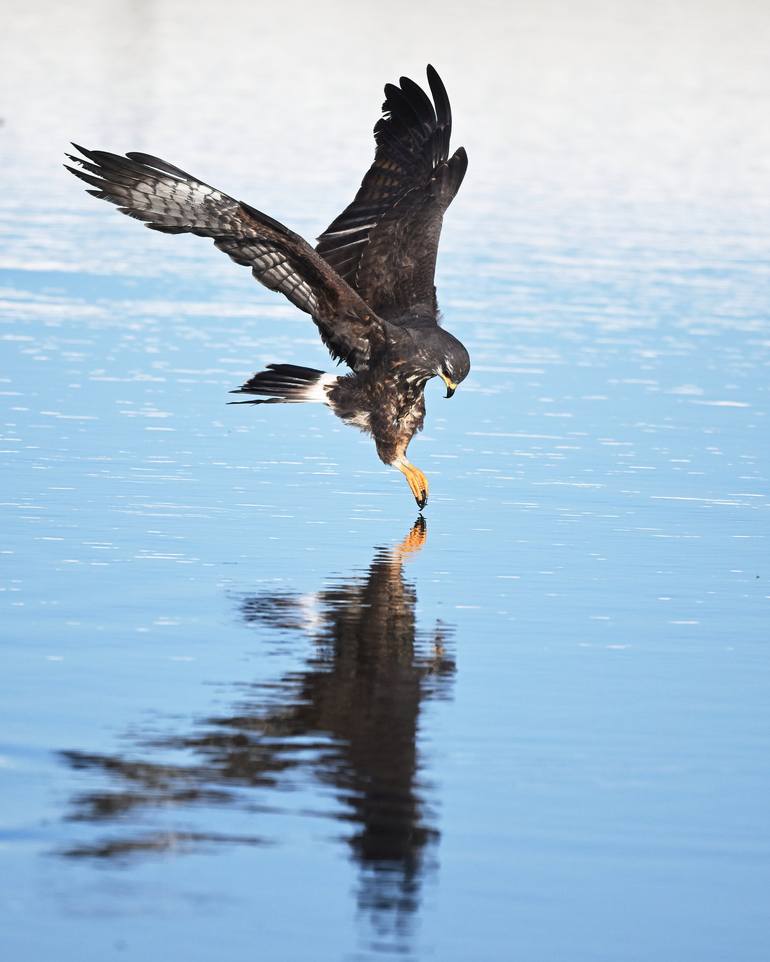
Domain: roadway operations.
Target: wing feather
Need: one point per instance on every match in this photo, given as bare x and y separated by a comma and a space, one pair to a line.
172, 201
386, 241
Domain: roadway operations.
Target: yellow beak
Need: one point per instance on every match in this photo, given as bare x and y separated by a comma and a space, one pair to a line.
451, 387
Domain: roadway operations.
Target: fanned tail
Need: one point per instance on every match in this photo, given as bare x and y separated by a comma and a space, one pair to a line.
287, 384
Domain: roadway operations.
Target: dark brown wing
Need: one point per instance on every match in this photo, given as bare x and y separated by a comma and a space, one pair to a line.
385, 243
168, 199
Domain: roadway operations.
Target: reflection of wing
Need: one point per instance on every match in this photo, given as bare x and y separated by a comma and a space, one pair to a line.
172, 201
385, 243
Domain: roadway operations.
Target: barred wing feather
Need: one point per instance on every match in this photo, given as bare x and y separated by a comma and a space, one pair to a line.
170, 200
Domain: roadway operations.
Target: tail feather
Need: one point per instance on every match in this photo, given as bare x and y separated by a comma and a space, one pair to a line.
285, 384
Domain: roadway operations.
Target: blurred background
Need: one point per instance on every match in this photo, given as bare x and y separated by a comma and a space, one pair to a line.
247, 706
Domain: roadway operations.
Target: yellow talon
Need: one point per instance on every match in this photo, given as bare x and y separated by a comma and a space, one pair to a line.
416, 481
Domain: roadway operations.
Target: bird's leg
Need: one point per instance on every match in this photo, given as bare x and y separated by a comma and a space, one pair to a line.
415, 479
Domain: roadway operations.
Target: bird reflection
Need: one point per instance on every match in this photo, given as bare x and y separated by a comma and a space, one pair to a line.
348, 717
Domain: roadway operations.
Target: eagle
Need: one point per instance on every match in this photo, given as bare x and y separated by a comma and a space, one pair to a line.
368, 284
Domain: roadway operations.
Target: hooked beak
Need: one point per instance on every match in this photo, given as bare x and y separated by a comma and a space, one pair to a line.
451, 387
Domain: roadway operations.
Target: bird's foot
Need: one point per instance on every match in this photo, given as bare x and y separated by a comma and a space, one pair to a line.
416, 480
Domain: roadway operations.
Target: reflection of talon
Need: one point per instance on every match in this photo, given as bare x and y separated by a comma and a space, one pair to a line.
416, 481
414, 540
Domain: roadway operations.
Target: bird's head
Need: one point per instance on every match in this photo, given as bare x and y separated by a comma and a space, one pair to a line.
453, 361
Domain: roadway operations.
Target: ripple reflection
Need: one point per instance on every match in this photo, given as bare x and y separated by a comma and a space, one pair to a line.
347, 719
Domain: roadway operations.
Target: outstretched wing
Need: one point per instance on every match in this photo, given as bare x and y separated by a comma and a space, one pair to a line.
168, 199
385, 243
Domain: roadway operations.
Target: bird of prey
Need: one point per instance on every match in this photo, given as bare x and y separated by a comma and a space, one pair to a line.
368, 285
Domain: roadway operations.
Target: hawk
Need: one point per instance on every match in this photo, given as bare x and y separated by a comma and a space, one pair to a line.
369, 283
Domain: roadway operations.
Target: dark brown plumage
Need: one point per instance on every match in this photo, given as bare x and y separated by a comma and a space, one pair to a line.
369, 284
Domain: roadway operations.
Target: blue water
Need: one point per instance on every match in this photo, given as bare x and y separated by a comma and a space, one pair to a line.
251, 707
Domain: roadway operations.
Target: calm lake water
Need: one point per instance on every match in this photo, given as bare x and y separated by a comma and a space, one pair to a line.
251, 707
